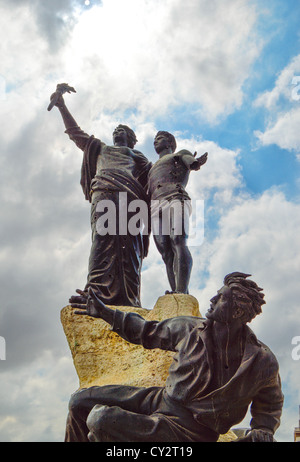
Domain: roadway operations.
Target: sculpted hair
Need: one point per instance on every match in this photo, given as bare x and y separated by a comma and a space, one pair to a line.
246, 294
132, 139
170, 138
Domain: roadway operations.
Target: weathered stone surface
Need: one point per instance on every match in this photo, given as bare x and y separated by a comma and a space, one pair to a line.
101, 357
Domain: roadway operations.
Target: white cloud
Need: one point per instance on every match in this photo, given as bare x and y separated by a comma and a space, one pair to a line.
220, 177
283, 87
284, 131
283, 106
257, 236
153, 55
35, 408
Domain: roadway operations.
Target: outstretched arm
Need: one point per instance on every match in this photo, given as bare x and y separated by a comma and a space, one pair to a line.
194, 163
135, 329
199, 161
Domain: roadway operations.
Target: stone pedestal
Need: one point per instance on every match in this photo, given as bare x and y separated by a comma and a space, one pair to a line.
101, 357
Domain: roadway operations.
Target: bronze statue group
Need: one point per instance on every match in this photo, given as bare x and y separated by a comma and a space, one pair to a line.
220, 368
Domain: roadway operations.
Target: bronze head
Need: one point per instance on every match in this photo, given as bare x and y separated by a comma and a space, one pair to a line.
245, 294
131, 138
168, 137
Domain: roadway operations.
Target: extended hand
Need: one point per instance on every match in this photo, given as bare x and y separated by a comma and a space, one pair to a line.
56, 98
94, 306
257, 436
202, 159
199, 161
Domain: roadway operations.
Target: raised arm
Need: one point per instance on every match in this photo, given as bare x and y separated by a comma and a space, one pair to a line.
75, 133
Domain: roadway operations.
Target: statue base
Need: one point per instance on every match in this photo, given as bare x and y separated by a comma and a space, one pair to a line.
101, 357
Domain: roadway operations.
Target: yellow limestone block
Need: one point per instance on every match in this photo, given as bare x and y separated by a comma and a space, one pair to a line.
101, 357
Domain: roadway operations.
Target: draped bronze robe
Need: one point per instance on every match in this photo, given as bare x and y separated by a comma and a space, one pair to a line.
115, 259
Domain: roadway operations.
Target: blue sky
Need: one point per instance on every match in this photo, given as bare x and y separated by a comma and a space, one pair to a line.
218, 75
